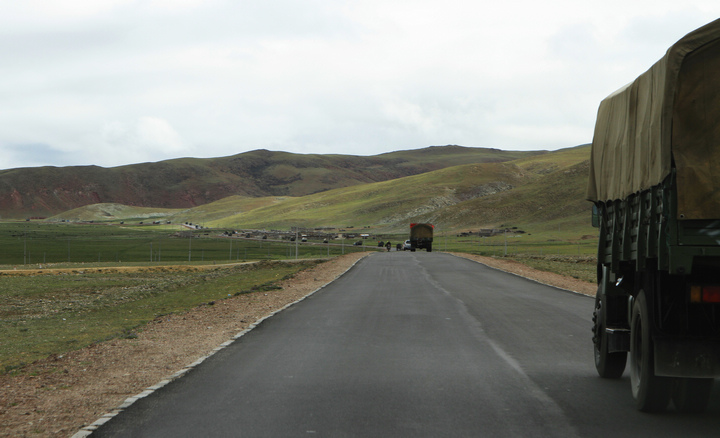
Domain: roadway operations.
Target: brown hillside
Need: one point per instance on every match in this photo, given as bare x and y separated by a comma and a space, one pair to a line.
189, 182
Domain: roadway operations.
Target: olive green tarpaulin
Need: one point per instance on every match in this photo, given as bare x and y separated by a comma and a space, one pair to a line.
670, 112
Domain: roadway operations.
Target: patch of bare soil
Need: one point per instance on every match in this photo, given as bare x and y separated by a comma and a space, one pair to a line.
61, 394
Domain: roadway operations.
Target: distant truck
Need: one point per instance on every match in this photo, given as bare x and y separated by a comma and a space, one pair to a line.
421, 236
654, 178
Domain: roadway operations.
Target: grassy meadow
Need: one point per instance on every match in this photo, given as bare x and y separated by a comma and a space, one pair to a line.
53, 313
41, 244
74, 294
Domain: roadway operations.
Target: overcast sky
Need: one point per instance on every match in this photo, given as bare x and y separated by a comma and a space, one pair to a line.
113, 82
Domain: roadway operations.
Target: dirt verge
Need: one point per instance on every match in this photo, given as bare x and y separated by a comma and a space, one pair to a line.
549, 278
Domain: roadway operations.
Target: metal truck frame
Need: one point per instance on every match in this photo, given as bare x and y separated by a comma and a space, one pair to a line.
656, 196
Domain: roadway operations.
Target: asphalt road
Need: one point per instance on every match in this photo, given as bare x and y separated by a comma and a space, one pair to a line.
411, 345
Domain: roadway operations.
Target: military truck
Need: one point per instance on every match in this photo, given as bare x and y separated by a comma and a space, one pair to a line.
655, 187
421, 236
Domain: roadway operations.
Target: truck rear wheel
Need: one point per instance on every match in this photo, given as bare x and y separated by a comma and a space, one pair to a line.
651, 393
608, 365
692, 395
429, 247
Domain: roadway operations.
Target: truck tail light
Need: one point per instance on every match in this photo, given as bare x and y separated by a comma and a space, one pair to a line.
704, 294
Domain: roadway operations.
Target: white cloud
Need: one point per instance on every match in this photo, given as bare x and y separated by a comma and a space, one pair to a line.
141, 140
117, 82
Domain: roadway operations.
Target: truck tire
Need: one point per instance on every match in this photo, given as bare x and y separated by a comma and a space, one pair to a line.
608, 365
652, 393
692, 395
429, 247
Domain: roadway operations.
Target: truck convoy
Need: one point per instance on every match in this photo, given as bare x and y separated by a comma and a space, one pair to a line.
655, 185
421, 236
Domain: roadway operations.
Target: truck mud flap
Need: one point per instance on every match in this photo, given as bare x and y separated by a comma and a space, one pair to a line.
618, 339
677, 357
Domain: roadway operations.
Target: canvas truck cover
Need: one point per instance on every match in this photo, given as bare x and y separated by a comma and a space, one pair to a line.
670, 112
421, 231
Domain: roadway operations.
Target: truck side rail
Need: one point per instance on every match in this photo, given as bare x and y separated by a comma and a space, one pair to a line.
632, 230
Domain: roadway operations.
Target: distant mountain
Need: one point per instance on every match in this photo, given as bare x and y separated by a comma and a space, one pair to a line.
542, 192
190, 182
545, 191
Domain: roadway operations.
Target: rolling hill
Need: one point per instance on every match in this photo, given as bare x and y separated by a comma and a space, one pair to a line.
543, 191
546, 191
552, 197
190, 182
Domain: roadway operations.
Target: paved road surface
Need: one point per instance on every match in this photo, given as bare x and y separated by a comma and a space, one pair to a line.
408, 345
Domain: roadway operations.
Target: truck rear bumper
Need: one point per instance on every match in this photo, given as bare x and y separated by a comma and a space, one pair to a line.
677, 357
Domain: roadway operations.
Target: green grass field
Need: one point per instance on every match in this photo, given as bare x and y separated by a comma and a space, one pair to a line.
40, 243
49, 314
